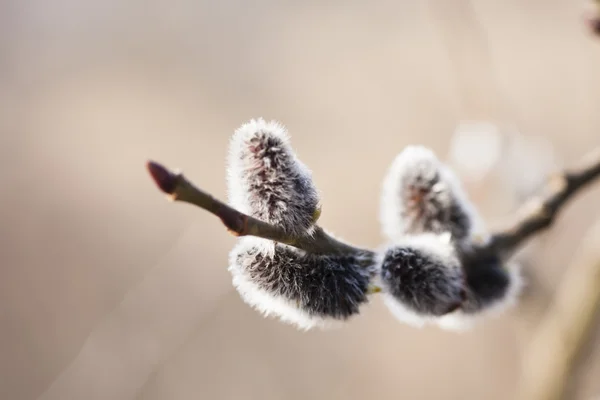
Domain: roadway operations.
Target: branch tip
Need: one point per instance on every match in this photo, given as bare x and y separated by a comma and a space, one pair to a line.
164, 179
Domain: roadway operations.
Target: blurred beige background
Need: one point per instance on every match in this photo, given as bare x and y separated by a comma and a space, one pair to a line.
107, 291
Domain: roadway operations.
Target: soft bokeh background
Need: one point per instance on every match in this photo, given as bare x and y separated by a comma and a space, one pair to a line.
107, 291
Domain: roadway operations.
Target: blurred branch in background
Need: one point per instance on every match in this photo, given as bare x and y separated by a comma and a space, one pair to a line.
563, 332
539, 213
592, 16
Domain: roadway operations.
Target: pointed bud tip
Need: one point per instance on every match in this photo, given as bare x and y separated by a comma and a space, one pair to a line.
164, 179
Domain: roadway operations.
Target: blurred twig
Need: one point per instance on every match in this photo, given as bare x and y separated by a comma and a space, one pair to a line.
591, 16
565, 328
539, 212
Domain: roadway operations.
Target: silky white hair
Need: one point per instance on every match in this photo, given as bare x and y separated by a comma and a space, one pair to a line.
266, 180
420, 193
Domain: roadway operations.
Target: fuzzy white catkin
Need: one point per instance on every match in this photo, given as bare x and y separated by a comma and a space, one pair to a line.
266, 180
421, 194
422, 278
301, 289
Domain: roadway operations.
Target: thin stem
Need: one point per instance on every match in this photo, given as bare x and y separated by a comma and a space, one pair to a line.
540, 211
566, 327
237, 223
534, 217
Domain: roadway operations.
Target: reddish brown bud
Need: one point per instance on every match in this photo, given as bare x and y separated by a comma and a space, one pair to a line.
164, 179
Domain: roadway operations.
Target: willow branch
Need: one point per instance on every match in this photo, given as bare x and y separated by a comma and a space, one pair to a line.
540, 211
178, 188
535, 216
566, 326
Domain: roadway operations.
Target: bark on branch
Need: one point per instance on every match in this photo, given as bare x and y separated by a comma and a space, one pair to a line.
178, 188
540, 211
535, 216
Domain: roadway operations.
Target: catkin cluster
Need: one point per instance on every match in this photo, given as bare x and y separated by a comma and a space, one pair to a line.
424, 270
267, 181
425, 209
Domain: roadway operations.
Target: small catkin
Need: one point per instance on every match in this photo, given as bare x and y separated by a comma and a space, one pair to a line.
421, 194
421, 278
267, 181
304, 289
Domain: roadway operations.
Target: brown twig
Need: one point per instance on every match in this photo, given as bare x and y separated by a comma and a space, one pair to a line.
540, 211
239, 224
565, 328
535, 216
